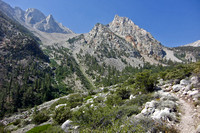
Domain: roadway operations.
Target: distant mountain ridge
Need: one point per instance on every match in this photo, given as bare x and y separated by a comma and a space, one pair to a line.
194, 44
34, 18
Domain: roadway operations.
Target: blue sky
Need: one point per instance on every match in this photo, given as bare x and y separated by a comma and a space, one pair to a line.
172, 22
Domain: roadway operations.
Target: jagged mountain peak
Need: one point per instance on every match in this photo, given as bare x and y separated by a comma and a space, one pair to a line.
33, 19
138, 37
122, 20
33, 16
124, 26
46, 24
50, 19
49, 25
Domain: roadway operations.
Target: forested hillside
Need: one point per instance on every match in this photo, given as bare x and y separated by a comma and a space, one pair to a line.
25, 75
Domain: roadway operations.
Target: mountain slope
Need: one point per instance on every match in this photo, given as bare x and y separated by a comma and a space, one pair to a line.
106, 47
23, 65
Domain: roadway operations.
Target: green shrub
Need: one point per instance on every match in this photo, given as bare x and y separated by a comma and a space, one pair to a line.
124, 93
130, 110
94, 117
16, 122
146, 80
140, 99
40, 117
114, 100
75, 100
62, 114
117, 127
25, 122
105, 90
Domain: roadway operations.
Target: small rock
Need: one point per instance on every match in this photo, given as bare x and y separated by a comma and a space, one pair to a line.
184, 93
194, 80
185, 98
188, 87
66, 125
184, 82
176, 88
195, 99
91, 105
192, 93
132, 97
168, 89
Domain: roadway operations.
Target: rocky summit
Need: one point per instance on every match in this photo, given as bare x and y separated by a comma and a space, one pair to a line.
138, 37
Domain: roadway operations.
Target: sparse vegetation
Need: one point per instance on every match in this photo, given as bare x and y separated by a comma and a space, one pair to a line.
62, 114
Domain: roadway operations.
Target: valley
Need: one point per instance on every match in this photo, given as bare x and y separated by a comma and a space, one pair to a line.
115, 78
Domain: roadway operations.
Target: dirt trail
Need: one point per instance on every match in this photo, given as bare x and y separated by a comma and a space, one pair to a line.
189, 117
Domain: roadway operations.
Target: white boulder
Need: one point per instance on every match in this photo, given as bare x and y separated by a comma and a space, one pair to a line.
194, 80
188, 87
177, 87
149, 108
163, 114
184, 82
66, 125
132, 97
192, 93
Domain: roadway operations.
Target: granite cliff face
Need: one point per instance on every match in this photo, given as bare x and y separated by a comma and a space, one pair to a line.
139, 38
